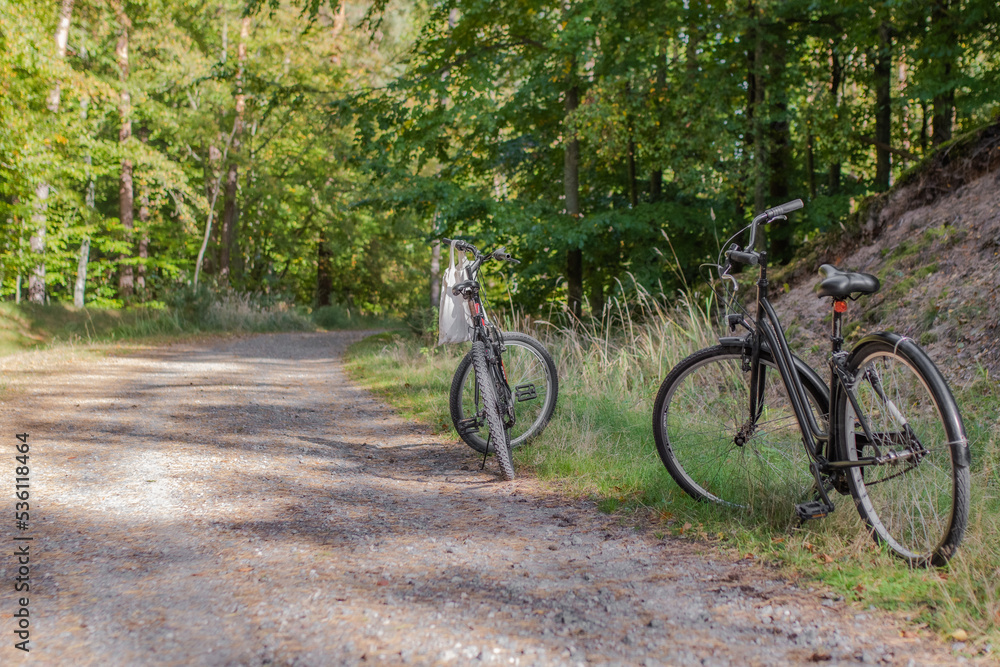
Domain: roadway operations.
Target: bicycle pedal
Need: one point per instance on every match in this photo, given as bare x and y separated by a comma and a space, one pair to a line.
468, 426
814, 509
525, 392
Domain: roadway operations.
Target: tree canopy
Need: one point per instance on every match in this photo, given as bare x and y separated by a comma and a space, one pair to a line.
312, 149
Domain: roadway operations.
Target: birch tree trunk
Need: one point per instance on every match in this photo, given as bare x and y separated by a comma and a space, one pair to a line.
79, 289
36, 281
126, 198
62, 39
436, 275
140, 281
213, 195
230, 211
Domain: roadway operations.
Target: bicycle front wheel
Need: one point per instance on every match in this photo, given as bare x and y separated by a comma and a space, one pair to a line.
498, 438
716, 450
915, 498
531, 375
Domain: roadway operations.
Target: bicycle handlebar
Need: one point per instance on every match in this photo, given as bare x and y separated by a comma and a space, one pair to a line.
464, 246
748, 256
498, 254
787, 207
770, 215
502, 254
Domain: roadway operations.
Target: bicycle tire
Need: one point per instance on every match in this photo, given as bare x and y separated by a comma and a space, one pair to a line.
918, 507
499, 437
700, 408
529, 367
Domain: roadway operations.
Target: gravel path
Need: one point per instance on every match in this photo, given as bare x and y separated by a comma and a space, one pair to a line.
242, 503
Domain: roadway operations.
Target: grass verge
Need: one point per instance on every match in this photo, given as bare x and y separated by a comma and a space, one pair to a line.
600, 445
27, 326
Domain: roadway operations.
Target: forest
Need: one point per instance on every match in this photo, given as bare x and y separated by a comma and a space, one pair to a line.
311, 151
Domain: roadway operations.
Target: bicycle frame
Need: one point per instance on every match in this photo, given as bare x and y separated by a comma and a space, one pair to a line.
766, 330
495, 348
768, 327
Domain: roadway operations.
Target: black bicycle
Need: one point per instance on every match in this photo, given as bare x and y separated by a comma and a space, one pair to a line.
517, 401
885, 429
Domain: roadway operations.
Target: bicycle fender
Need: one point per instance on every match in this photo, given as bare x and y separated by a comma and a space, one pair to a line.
905, 347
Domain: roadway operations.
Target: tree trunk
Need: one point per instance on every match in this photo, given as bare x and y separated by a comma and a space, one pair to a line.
758, 116
694, 36
942, 24
126, 197
633, 184
656, 185
324, 272
836, 74
810, 162
435, 275
81, 273
79, 289
656, 178
750, 131
140, 281
36, 281
213, 196
883, 106
230, 212
904, 116
62, 39
571, 189
923, 127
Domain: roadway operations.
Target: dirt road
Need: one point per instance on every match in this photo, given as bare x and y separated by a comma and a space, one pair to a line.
242, 503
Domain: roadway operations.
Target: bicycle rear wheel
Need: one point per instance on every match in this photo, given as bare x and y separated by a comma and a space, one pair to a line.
701, 414
917, 501
531, 374
499, 439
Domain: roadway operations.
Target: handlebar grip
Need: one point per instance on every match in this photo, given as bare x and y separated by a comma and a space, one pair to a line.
463, 246
787, 207
501, 254
741, 257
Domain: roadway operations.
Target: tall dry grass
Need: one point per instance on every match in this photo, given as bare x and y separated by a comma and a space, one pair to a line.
601, 444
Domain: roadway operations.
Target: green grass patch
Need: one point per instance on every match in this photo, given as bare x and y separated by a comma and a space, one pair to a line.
341, 317
600, 445
26, 325
409, 373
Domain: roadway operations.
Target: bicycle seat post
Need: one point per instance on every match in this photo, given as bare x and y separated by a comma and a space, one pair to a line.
836, 337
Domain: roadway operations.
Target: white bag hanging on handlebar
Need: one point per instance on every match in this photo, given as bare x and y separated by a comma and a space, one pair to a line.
454, 320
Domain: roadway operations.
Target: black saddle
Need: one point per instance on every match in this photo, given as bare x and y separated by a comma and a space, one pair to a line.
839, 284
